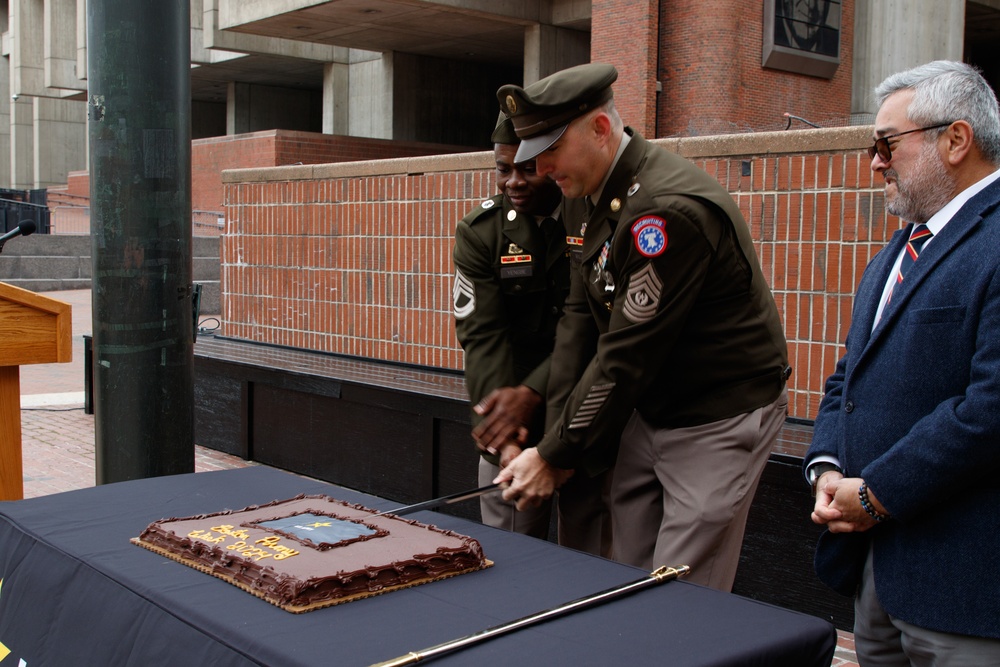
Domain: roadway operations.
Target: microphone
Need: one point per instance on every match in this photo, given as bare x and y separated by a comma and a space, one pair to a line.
24, 228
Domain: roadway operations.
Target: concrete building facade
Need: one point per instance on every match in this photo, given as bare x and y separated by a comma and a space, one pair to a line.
426, 70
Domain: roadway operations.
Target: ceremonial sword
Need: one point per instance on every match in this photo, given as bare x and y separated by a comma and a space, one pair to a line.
655, 577
443, 500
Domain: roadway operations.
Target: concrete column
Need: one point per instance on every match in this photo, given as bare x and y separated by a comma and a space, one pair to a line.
372, 102
6, 115
60, 140
548, 49
22, 157
140, 195
893, 35
59, 32
237, 108
337, 94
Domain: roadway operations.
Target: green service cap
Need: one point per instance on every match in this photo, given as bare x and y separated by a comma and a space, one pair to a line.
542, 110
504, 133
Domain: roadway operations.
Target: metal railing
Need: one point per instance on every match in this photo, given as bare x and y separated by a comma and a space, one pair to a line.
17, 206
76, 220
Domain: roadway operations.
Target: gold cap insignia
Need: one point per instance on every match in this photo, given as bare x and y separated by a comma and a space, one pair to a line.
511, 104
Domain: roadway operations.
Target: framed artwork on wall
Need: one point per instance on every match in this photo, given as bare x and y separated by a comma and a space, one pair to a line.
802, 36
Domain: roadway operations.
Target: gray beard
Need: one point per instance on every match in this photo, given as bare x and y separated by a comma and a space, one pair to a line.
923, 194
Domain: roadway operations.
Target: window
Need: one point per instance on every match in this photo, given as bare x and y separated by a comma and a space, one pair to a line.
802, 36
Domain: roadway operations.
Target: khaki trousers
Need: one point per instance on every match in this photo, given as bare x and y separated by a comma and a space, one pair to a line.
681, 496
582, 505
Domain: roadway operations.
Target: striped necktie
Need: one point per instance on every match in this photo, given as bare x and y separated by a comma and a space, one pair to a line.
920, 235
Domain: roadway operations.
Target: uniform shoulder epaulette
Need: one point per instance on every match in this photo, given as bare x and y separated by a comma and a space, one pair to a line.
491, 205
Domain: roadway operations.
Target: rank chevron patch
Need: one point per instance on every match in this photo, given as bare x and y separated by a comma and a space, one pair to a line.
464, 295
643, 296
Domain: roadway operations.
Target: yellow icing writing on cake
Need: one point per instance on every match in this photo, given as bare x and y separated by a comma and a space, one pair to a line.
249, 550
271, 547
274, 543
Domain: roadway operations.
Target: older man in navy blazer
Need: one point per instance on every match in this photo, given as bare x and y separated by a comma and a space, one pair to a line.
905, 460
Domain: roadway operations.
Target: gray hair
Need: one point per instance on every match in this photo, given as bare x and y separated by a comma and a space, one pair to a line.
612, 111
945, 91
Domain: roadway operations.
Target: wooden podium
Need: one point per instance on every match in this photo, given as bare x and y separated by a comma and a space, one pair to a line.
33, 330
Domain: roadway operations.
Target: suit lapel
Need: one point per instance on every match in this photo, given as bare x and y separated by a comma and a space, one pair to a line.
870, 291
958, 229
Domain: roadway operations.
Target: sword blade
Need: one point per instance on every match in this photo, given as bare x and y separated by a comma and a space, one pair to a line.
443, 500
658, 576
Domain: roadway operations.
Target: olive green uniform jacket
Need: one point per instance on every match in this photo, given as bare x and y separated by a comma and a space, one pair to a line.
511, 280
668, 313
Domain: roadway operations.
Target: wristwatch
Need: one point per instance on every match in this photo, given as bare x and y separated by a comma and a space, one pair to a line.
816, 470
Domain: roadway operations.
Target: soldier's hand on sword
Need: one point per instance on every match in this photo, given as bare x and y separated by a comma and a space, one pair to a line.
529, 479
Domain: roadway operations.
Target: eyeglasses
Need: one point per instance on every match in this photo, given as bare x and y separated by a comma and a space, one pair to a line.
881, 145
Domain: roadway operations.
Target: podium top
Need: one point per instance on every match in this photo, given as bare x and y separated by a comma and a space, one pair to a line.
34, 329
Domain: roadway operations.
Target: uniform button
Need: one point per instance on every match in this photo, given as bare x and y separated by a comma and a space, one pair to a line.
849, 406
555, 310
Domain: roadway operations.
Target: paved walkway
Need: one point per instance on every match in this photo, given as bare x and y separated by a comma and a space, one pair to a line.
58, 437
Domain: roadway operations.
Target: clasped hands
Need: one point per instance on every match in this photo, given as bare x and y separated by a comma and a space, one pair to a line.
507, 413
838, 506
527, 479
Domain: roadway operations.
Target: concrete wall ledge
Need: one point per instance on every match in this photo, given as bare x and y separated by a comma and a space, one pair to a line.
728, 145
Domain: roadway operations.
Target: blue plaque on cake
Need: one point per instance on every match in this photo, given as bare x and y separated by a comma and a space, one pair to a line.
319, 529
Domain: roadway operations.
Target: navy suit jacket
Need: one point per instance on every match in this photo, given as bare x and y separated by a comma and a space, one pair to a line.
914, 408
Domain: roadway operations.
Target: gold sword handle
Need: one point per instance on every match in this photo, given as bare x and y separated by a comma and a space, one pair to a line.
408, 659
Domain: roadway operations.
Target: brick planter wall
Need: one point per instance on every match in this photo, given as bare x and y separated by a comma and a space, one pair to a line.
355, 258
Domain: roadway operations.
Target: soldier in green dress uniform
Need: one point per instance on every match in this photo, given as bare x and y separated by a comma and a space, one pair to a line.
511, 279
670, 360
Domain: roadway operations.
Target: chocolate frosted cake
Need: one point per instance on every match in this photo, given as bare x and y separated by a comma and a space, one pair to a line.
313, 551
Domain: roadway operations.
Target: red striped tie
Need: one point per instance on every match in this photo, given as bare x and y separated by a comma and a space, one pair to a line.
921, 235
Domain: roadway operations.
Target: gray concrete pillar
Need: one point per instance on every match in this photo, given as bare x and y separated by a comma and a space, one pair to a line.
373, 101
548, 49
893, 35
60, 140
237, 108
337, 95
22, 142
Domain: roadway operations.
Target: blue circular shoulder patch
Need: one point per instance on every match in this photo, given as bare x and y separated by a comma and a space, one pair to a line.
650, 235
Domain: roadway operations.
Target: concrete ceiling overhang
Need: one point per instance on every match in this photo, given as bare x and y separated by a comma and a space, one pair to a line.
484, 30
481, 30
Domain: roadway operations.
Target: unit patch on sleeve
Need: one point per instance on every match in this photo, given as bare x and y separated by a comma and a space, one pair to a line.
464, 293
650, 235
643, 295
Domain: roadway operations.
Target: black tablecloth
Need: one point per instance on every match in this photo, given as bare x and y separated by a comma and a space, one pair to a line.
74, 591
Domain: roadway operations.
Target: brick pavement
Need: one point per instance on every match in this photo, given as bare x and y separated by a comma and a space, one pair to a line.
58, 437
57, 445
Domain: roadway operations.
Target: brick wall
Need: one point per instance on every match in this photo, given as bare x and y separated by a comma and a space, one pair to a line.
273, 148
355, 258
624, 34
270, 148
713, 82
